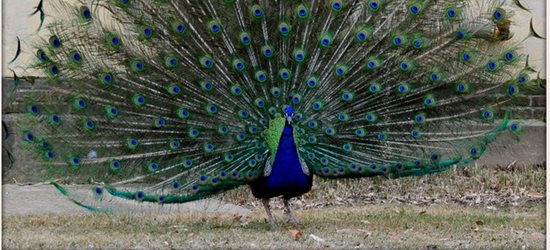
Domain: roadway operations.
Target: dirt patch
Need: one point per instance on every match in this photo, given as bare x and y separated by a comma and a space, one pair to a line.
46, 200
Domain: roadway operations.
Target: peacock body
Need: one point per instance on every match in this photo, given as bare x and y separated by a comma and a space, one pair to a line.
172, 101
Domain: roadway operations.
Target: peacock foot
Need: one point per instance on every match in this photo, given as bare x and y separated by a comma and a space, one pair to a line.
289, 215
270, 217
292, 220
273, 224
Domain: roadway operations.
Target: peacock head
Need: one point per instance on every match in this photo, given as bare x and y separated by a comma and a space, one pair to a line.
289, 112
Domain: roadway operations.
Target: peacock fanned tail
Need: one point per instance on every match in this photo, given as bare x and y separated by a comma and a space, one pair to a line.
171, 101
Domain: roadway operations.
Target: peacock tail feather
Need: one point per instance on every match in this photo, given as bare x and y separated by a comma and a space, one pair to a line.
177, 97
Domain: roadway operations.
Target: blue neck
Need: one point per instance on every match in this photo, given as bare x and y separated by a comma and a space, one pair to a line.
286, 178
286, 169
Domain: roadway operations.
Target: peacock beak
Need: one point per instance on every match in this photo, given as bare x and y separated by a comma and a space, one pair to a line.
289, 120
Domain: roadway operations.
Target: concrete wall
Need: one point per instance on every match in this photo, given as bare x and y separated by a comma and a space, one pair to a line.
17, 22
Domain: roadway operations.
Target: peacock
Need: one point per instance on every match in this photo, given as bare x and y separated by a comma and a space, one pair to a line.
171, 101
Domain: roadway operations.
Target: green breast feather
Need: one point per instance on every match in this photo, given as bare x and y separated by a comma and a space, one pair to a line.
272, 135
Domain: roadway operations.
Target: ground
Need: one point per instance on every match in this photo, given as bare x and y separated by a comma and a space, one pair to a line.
370, 226
472, 208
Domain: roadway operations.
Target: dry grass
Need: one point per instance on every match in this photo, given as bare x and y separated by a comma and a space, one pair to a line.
371, 226
499, 186
476, 208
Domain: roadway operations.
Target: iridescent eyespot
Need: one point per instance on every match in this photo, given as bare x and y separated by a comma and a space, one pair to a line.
55, 42
183, 113
33, 109
513, 90
420, 118
326, 39
54, 120
243, 114
275, 92
414, 9
257, 11
267, 51
435, 77
499, 14
146, 32
214, 26
211, 108
360, 132
159, 122
28, 136
363, 34
312, 82
138, 99
245, 38
284, 74
111, 111
415, 133
74, 161
89, 124
419, 43
115, 165
170, 62
347, 96
236, 90
374, 5
523, 78
406, 66
206, 62
137, 66
317, 106
451, 13
510, 56
284, 29
487, 115
76, 57
54, 70
492, 66
139, 195
41, 55
403, 88
238, 65
341, 70
462, 34
173, 89
132, 143
330, 131
435, 157
296, 98
312, 124
301, 11
208, 147
78, 103
299, 55
260, 76
223, 130
398, 40
337, 5
85, 13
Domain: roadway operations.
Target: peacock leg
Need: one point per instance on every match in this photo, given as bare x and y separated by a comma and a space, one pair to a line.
289, 215
270, 217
